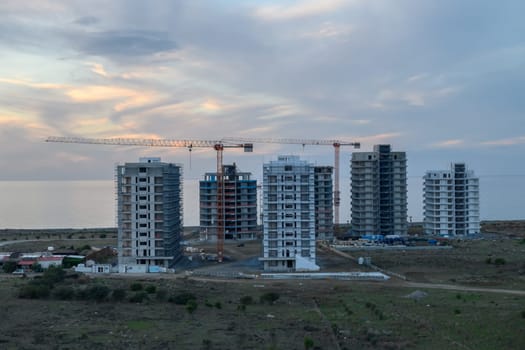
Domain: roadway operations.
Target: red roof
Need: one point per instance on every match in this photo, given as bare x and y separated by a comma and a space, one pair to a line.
50, 258
26, 262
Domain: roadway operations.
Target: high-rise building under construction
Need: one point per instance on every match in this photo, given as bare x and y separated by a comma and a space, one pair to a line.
149, 212
240, 204
379, 192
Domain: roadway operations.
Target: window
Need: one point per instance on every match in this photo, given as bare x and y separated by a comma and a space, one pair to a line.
143, 198
143, 188
287, 168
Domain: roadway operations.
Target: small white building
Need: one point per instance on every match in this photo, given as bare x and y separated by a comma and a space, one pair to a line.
47, 261
95, 268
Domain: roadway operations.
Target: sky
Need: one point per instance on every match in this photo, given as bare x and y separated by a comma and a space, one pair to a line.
442, 80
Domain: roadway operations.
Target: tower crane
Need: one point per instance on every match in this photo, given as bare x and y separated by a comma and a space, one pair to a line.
335, 143
217, 145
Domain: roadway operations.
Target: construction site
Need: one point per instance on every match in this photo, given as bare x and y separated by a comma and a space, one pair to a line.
367, 291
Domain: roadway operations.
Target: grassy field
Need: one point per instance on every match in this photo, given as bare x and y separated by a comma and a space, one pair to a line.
229, 314
489, 262
330, 315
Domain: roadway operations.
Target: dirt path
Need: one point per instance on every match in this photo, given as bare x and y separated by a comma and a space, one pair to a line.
461, 288
327, 324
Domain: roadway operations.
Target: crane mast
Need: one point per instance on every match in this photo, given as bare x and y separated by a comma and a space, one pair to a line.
217, 145
337, 148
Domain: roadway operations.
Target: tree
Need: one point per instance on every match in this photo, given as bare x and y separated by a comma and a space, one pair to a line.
308, 343
9, 266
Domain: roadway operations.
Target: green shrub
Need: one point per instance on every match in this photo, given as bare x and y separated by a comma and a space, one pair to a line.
218, 305
54, 275
151, 289
246, 300
118, 294
64, 293
138, 297
34, 291
182, 298
499, 261
308, 343
97, 292
488, 260
457, 311
269, 298
9, 266
84, 247
191, 306
136, 286
523, 314
161, 294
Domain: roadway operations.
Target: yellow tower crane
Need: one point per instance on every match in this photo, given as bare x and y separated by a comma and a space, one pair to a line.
217, 145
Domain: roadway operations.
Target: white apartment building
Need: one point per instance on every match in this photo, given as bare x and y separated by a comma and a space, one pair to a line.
451, 202
288, 215
149, 213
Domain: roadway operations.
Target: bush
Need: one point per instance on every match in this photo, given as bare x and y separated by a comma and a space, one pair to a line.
182, 298
523, 314
488, 260
97, 292
136, 286
246, 300
151, 289
269, 297
84, 247
161, 294
34, 291
138, 297
308, 343
118, 294
64, 293
54, 275
218, 305
9, 266
191, 306
499, 261
457, 311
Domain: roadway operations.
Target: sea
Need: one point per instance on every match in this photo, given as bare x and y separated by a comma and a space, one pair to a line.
92, 203
72, 204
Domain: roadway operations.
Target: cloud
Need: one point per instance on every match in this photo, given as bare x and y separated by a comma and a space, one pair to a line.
31, 84
512, 141
378, 138
299, 9
87, 20
98, 68
96, 93
122, 44
448, 143
329, 30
